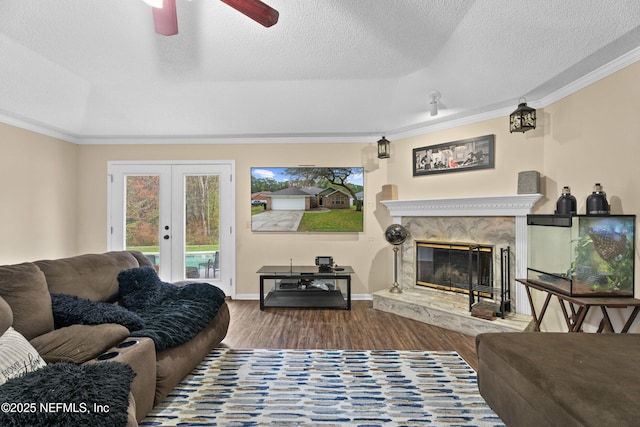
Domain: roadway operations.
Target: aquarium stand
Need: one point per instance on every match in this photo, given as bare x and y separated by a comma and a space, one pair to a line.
575, 309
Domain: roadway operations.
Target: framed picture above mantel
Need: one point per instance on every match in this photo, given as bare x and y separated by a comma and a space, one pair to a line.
456, 156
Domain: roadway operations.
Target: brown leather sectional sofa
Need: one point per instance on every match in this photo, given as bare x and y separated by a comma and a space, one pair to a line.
27, 287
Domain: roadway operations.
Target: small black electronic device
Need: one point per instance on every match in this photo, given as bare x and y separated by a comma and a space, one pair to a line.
289, 284
324, 263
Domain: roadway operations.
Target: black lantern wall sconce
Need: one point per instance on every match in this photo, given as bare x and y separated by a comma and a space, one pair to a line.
383, 148
523, 119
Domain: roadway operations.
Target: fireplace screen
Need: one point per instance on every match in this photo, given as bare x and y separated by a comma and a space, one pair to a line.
453, 266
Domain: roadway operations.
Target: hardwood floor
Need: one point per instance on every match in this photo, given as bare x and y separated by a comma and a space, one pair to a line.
362, 328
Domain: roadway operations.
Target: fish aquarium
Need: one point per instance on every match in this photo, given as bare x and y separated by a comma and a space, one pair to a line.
582, 255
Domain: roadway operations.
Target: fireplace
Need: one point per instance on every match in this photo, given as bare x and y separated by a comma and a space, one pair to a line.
493, 221
454, 267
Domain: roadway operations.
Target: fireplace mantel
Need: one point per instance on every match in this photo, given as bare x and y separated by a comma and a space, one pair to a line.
518, 206
512, 205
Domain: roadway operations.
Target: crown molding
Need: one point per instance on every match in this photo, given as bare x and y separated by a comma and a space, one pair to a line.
424, 128
600, 73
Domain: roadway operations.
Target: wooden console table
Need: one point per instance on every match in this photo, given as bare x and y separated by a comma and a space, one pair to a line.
575, 309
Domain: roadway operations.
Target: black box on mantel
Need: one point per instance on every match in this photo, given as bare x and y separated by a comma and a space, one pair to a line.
529, 182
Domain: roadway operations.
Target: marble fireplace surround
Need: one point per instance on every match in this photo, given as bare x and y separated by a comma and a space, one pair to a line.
494, 220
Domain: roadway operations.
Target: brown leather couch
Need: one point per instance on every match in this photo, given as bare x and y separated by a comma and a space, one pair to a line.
540, 379
26, 288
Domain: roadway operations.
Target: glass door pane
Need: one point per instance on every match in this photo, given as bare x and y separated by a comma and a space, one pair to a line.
202, 227
142, 216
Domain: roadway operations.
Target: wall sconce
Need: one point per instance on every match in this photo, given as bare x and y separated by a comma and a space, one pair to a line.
523, 119
383, 148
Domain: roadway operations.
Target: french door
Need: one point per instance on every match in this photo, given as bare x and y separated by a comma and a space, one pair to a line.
180, 215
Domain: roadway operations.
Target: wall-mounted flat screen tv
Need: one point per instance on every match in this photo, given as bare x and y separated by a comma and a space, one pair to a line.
307, 199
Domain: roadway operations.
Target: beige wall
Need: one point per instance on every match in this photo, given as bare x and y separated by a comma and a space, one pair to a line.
594, 136
38, 187
513, 153
55, 192
363, 251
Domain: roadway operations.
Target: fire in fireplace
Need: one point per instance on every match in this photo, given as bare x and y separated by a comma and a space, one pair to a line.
454, 267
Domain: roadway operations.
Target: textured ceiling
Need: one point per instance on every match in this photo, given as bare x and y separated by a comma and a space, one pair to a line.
94, 70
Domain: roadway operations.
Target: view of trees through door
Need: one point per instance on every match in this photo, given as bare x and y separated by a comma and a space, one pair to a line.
202, 223
143, 213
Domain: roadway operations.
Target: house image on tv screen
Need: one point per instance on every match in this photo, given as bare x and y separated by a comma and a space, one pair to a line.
307, 199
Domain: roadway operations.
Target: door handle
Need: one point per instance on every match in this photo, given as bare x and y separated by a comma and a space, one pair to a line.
165, 237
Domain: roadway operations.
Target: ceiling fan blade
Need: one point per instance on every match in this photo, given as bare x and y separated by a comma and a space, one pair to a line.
256, 10
165, 19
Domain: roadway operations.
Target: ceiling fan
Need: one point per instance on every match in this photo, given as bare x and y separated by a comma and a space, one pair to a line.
165, 17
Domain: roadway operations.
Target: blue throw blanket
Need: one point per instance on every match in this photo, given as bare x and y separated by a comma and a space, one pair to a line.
172, 314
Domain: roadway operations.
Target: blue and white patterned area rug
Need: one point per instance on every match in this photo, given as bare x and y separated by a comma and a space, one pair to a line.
326, 388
